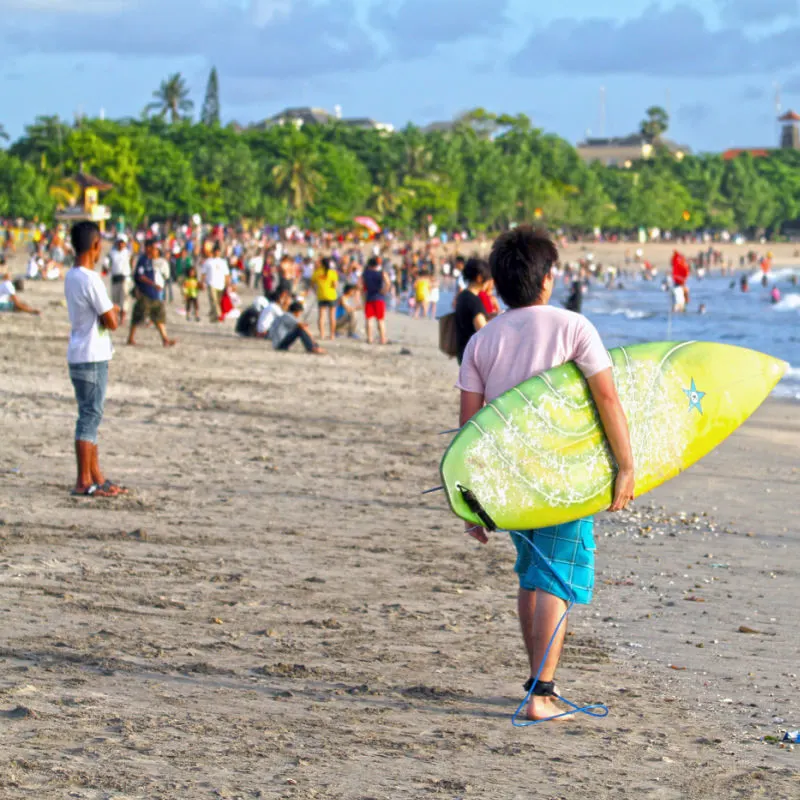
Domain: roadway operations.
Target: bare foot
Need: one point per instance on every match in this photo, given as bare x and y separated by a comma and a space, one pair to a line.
170, 342
541, 708
131, 343
318, 351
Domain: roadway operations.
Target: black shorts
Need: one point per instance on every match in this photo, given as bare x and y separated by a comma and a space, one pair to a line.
326, 303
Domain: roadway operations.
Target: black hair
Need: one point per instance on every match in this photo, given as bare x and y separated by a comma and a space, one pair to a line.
476, 268
276, 295
349, 288
521, 259
295, 307
83, 236
373, 263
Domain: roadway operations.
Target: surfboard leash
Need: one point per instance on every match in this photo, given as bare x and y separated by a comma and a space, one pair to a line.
545, 688
534, 686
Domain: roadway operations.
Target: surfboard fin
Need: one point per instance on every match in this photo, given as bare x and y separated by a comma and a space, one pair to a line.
477, 509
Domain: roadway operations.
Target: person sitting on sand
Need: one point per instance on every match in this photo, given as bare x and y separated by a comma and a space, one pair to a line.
286, 327
528, 339
346, 308
9, 299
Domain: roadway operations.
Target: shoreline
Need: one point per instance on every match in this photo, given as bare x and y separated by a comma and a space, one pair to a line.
276, 610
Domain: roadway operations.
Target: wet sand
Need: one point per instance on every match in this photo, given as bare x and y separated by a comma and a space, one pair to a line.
276, 612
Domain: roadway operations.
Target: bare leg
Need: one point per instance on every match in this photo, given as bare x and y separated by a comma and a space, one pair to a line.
382, 331
526, 610
539, 614
84, 457
97, 475
369, 330
320, 315
131, 335
332, 322
162, 330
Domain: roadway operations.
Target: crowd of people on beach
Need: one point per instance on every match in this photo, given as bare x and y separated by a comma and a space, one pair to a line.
503, 329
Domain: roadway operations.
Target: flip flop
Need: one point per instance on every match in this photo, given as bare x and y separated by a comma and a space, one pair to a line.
113, 488
91, 491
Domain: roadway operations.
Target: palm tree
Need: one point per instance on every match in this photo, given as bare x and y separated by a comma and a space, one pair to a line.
3, 133
387, 197
655, 124
172, 98
296, 177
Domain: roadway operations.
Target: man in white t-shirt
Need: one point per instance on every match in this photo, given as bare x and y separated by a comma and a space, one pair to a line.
119, 260
271, 312
9, 300
92, 316
216, 277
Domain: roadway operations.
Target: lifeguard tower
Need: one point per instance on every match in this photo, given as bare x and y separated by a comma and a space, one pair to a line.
90, 208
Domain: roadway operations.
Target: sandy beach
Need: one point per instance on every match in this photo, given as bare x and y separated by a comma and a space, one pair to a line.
277, 612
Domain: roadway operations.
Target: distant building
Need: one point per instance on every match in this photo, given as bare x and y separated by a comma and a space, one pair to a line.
306, 115
367, 123
790, 139
623, 151
88, 207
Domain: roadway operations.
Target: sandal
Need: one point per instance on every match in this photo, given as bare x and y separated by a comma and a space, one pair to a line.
92, 491
113, 488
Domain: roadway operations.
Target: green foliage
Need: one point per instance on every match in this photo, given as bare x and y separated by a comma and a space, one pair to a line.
23, 191
484, 173
210, 113
655, 125
171, 99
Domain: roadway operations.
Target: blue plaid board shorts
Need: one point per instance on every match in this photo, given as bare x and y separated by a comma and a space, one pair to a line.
569, 548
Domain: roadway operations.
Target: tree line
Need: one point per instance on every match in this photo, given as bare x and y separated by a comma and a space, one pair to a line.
486, 172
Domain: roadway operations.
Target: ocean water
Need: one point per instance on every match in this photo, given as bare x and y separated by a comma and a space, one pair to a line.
640, 312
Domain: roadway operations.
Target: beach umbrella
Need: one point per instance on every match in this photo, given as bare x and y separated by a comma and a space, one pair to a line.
368, 223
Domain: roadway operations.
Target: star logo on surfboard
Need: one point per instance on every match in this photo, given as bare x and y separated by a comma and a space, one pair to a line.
695, 397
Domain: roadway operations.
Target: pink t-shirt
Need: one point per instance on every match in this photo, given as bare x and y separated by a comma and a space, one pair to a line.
526, 341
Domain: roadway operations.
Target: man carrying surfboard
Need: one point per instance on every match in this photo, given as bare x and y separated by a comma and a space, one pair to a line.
530, 338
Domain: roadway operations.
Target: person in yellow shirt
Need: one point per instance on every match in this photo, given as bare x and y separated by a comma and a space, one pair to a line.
191, 291
422, 294
326, 282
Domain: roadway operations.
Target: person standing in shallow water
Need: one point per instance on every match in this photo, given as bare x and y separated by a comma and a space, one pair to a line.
92, 316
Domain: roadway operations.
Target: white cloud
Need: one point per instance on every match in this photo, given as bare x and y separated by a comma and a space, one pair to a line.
262, 12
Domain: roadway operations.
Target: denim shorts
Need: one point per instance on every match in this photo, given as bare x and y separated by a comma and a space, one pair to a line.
90, 381
569, 549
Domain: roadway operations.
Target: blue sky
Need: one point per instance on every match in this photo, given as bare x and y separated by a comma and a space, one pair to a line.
715, 62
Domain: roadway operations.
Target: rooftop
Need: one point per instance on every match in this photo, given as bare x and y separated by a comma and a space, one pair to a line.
87, 181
